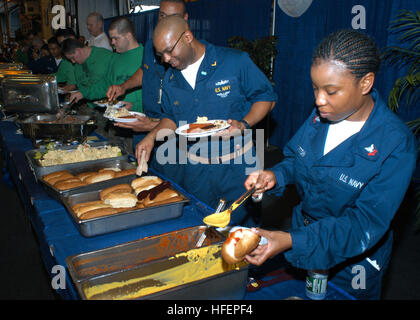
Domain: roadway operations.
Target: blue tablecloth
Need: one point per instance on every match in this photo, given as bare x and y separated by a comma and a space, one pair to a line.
59, 237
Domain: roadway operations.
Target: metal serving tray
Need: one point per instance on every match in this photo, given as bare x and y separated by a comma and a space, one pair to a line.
44, 126
123, 220
30, 93
154, 254
40, 171
85, 167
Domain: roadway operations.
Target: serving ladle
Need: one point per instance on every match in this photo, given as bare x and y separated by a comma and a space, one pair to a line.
222, 219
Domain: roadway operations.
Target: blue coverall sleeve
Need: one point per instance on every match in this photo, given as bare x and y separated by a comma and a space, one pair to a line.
255, 84
331, 240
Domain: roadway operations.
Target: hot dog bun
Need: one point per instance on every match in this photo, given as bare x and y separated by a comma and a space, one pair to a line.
55, 174
100, 176
125, 172
82, 208
163, 197
146, 181
121, 200
59, 178
110, 169
98, 213
239, 244
119, 188
69, 184
82, 176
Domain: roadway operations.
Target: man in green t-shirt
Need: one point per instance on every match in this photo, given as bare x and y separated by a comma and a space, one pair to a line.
124, 63
90, 67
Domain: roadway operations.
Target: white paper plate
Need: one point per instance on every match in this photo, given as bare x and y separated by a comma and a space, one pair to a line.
61, 91
119, 104
126, 120
202, 134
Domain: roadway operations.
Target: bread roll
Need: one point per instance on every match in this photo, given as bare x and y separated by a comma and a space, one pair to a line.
98, 177
96, 213
55, 174
61, 177
239, 244
83, 209
119, 188
110, 169
163, 202
82, 176
121, 200
84, 204
162, 197
125, 172
69, 184
144, 188
145, 182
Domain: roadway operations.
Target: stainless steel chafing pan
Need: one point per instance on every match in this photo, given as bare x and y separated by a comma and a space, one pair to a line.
133, 217
27, 93
125, 270
47, 126
40, 170
122, 164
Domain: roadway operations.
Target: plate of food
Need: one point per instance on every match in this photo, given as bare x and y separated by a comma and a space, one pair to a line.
106, 103
130, 116
202, 128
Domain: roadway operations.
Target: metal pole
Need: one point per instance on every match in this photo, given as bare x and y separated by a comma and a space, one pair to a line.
273, 24
6, 15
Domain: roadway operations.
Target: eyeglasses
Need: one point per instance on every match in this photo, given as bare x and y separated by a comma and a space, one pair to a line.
169, 51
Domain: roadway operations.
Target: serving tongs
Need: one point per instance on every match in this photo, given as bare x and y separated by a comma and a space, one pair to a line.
220, 207
142, 167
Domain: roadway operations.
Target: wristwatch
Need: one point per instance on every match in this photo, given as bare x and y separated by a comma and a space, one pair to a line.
246, 124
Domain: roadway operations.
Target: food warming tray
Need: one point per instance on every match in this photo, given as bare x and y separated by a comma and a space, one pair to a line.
40, 171
28, 93
151, 255
123, 220
85, 167
46, 126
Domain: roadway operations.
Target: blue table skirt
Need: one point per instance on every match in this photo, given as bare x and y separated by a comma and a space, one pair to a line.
59, 237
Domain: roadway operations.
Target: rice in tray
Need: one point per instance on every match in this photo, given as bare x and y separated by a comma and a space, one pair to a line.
82, 153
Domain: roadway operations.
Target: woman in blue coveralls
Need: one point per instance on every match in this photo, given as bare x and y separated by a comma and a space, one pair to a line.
351, 161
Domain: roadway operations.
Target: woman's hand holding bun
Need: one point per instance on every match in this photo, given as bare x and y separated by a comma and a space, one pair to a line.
277, 242
239, 243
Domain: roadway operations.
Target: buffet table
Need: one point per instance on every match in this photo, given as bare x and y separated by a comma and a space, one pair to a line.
59, 237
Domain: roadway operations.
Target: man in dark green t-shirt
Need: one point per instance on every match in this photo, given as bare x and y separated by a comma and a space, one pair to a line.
90, 66
124, 63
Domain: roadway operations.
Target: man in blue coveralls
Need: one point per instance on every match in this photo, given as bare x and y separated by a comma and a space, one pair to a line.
217, 83
150, 77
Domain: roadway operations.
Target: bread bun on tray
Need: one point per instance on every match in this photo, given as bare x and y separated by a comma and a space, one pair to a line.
125, 172
100, 176
166, 196
145, 182
239, 244
82, 208
121, 200
96, 213
55, 174
119, 188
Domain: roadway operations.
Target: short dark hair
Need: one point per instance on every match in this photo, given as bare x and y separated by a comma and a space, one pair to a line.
65, 32
123, 25
355, 50
70, 45
53, 40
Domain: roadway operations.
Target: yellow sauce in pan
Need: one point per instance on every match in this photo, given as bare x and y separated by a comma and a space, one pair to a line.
200, 263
